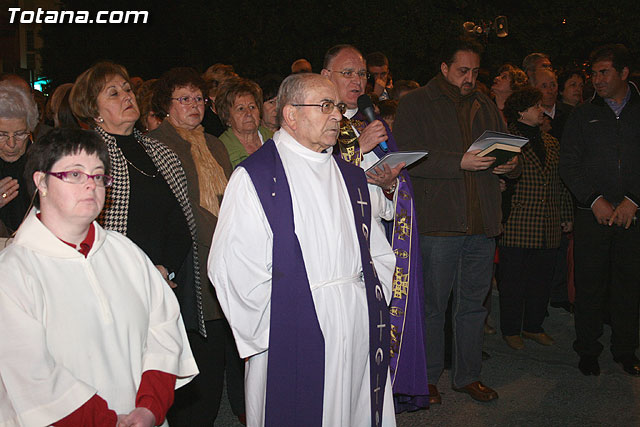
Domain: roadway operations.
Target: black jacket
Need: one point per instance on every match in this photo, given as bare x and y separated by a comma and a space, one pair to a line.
600, 153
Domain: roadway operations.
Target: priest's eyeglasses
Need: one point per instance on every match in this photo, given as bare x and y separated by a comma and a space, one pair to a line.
188, 100
326, 106
351, 74
20, 136
78, 177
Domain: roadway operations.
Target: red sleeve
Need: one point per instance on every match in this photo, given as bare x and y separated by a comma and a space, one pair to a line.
94, 413
156, 393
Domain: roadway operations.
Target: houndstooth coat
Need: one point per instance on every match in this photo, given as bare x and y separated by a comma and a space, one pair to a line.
540, 201
116, 209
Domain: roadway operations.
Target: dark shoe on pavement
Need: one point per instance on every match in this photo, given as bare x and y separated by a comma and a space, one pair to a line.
478, 391
485, 355
434, 395
541, 337
588, 365
566, 305
630, 364
489, 330
514, 341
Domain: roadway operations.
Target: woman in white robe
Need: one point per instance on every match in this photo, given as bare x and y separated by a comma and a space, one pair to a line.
80, 319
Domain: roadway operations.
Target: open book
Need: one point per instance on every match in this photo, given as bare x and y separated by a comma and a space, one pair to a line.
502, 146
394, 159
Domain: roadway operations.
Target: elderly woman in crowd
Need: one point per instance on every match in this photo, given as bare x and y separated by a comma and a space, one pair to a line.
180, 96
18, 118
91, 334
148, 201
540, 212
508, 80
239, 105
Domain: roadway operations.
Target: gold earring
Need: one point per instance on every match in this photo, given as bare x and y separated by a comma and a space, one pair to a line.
43, 193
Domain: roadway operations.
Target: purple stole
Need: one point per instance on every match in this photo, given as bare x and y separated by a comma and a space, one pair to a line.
408, 365
295, 372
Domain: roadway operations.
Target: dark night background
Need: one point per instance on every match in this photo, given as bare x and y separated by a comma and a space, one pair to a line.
265, 37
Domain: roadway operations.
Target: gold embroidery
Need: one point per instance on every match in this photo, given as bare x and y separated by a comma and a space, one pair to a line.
394, 344
403, 224
400, 283
401, 253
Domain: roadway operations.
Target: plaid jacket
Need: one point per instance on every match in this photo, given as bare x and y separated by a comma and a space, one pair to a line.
540, 201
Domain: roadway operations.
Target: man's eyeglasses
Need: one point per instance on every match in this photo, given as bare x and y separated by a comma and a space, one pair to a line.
326, 106
78, 177
187, 100
20, 136
351, 74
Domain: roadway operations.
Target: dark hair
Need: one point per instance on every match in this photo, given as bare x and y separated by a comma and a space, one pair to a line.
388, 108
464, 44
377, 59
519, 78
58, 143
403, 86
269, 85
618, 54
334, 51
170, 81
566, 75
65, 116
520, 101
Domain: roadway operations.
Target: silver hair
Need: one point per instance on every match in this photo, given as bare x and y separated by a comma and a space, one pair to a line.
294, 88
530, 60
17, 103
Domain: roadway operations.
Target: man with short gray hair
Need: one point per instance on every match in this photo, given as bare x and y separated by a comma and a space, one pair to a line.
303, 276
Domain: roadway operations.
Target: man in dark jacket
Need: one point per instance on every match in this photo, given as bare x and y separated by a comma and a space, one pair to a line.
458, 204
600, 164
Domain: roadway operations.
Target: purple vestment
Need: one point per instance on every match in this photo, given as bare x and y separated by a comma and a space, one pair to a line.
295, 372
408, 364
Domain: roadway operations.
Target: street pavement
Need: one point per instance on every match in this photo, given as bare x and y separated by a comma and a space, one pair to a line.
537, 386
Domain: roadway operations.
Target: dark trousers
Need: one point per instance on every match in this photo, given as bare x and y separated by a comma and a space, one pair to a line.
559, 288
460, 266
606, 256
525, 285
197, 403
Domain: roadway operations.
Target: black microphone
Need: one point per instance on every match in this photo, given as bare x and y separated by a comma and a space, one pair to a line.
366, 106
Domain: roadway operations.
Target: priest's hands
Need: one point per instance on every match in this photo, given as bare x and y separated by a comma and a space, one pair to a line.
139, 417
372, 135
165, 275
384, 177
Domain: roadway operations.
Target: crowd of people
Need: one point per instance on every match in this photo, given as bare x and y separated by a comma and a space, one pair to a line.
173, 235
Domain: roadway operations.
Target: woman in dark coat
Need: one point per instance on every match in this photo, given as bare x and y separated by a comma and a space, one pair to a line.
180, 95
540, 212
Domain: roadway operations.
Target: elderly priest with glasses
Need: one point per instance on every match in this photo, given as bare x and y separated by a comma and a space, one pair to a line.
302, 275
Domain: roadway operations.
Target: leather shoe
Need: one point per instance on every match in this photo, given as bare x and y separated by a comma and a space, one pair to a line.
478, 391
630, 364
588, 365
541, 337
434, 395
514, 341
